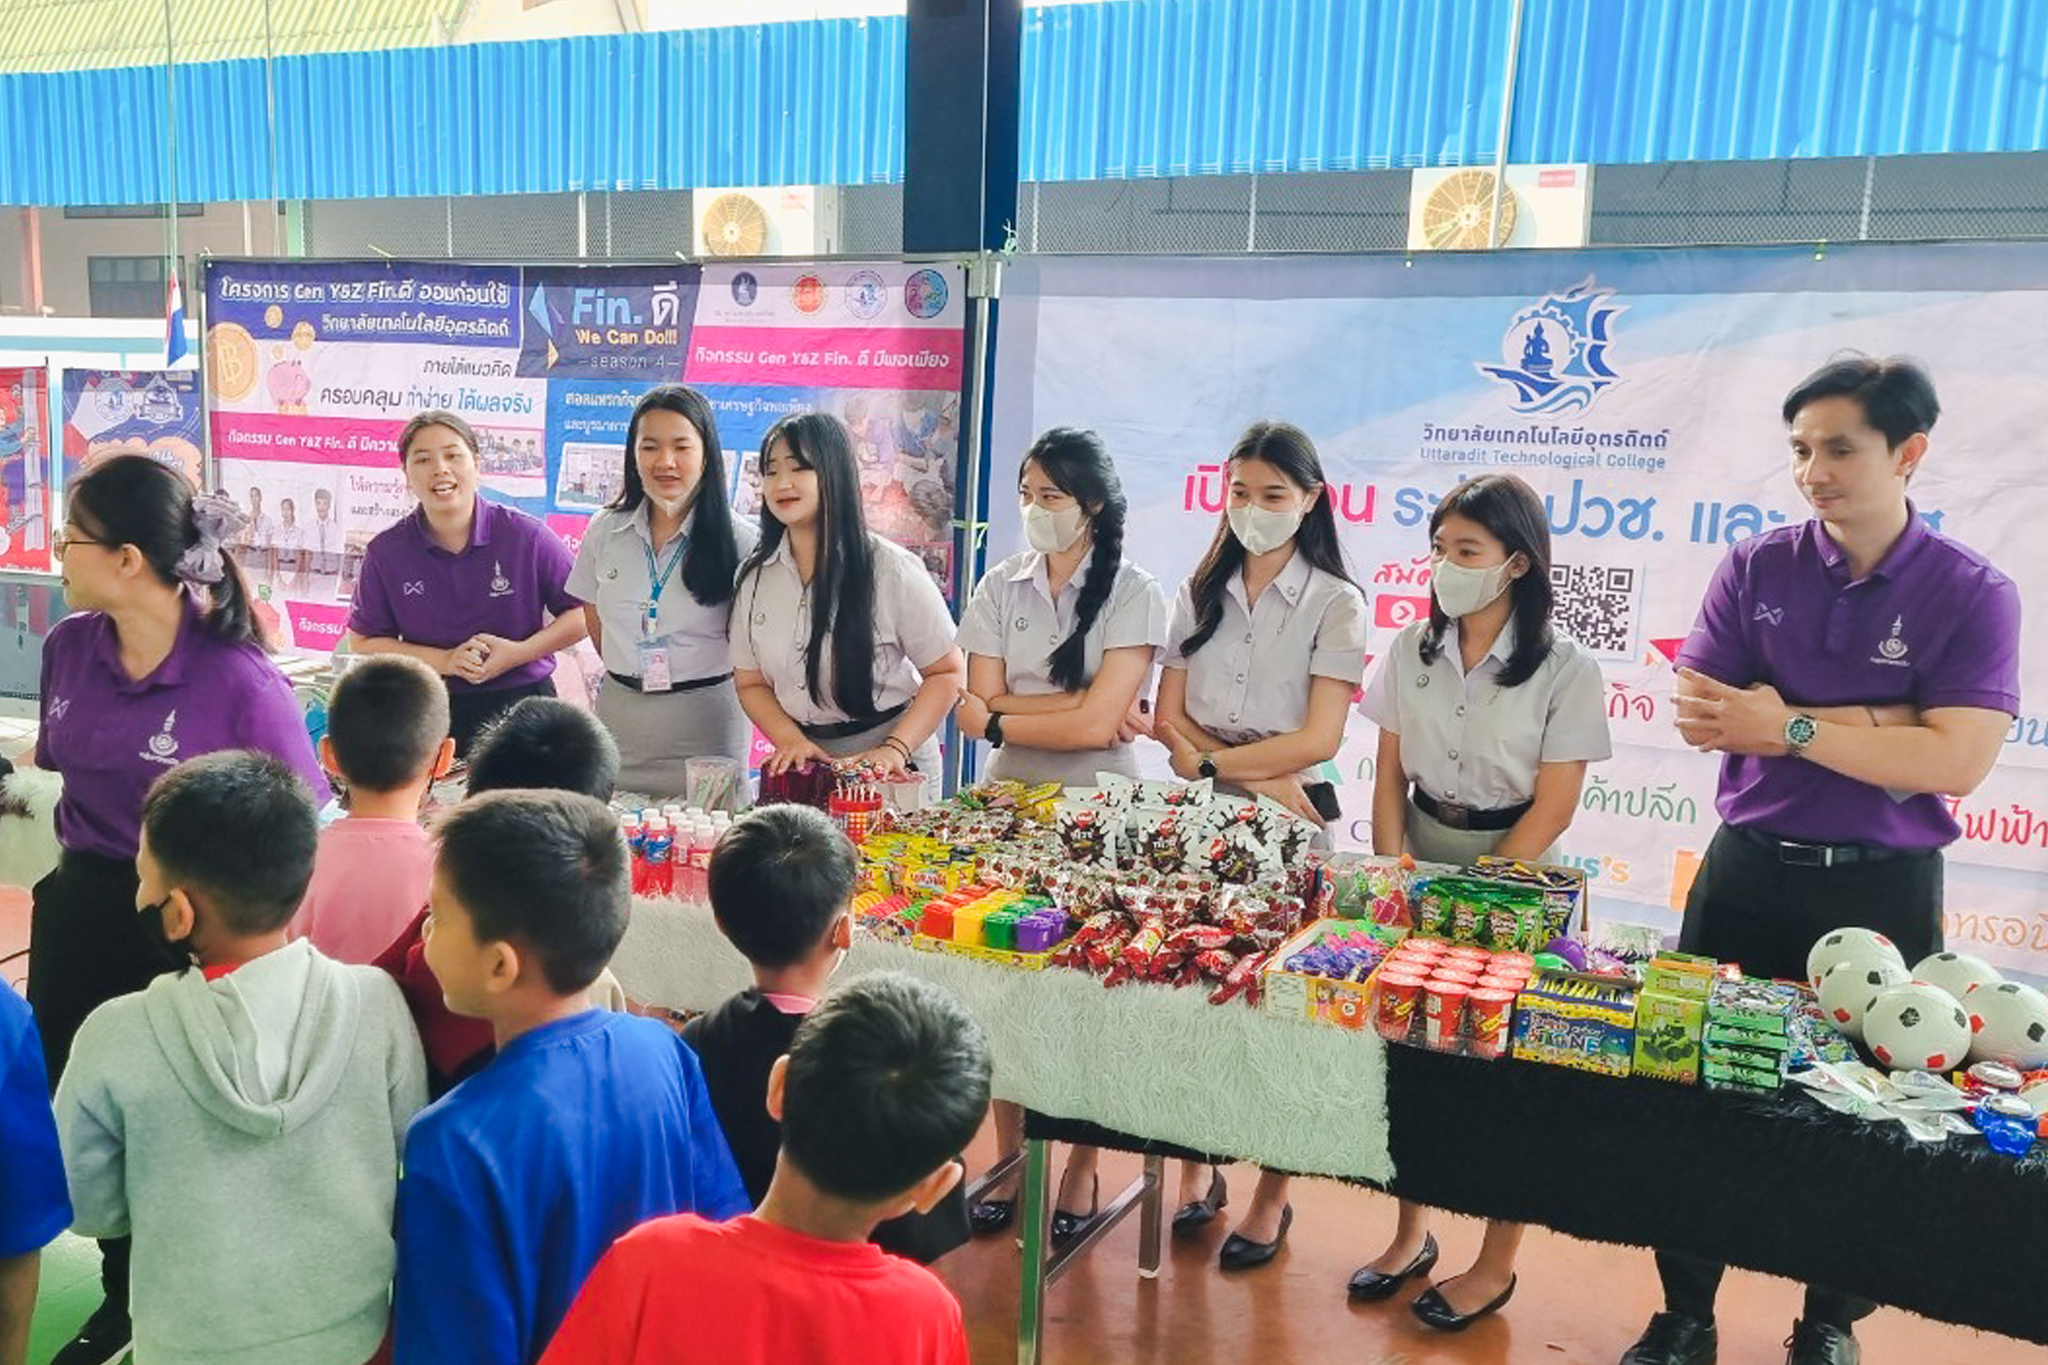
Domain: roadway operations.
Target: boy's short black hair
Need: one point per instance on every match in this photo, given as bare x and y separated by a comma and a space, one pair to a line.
544, 743
778, 879
238, 828
887, 1080
545, 871
386, 718
1895, 393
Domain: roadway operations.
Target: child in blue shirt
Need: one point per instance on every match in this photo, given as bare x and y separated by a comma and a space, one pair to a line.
586, 1123
33, 1205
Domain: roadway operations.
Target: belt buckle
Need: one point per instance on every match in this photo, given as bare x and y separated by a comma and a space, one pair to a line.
1453, 815
1805, 855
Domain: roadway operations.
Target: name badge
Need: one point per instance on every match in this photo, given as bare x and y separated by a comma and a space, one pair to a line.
654, 669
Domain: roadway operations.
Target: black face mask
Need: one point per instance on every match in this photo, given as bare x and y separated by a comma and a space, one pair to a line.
176, 953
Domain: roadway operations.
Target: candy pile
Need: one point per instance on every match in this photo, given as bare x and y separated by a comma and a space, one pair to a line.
1173, 828
1449, 997
1219, 936
1749, 1035
1001, 918
1323, 973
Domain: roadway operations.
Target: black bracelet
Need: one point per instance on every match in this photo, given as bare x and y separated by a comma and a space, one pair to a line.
898, 745
993, 731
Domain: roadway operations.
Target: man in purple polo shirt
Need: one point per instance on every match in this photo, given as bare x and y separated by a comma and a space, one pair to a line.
1852, 671
477, 591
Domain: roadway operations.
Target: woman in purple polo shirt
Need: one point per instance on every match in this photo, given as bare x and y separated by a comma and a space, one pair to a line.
477, 591
160, 662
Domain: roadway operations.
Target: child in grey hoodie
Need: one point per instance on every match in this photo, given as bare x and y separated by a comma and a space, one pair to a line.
243, 1121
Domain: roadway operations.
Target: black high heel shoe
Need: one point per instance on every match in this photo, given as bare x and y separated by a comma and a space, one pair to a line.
1065, 1225
987, 1217
1199, 1213
1242, 1253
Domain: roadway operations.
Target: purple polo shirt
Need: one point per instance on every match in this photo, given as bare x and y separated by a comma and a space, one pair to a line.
111, 736
1933, 624
512, 576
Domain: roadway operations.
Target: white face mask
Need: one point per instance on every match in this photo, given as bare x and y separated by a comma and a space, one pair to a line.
1460, 591
1050, 532
1260, 529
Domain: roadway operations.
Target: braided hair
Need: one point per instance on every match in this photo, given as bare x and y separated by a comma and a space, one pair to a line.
1078, 464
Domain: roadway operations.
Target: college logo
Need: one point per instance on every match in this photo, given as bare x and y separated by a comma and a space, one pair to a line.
808, 293
1557, 351
866, 294
57, 709
110, 400
1774, 615
163, 745
160, 404
745, 289
1892, 649
501, 586
924, 294
416, 588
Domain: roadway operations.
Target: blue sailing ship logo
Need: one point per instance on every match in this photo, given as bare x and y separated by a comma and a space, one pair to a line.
1559, 347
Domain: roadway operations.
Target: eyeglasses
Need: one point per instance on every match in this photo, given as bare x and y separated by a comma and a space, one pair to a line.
66, 539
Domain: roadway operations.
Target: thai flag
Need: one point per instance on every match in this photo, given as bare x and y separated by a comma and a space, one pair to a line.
174, 323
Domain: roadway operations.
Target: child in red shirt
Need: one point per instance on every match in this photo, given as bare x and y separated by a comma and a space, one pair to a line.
886, 1081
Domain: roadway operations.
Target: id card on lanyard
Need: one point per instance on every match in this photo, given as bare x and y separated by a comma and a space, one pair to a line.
655, 674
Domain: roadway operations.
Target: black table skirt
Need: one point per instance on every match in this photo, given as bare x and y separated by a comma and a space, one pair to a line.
1953, 1232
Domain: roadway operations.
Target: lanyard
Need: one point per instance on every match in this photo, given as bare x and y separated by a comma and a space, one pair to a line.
658, 576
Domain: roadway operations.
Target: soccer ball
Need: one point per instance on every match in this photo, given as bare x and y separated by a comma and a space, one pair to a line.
1849, 945
1956, 972
1847, 989
2010, 1022
1916, 1027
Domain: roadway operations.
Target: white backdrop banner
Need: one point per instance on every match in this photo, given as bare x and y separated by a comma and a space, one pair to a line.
1639, 392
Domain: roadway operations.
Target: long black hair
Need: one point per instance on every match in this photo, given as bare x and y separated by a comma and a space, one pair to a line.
1078, 464
1288, 449
132, 500
843, 584
714, 552
1512, 514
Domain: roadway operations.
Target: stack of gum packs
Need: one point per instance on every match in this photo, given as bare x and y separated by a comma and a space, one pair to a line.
1746, 1038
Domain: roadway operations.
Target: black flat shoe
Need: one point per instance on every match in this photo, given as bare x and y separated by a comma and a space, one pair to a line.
1199, 1213
1242, 1253
1435, 1311
1369, 1286
987, 1217
1674, 1339
1065, 1225
1818, 1343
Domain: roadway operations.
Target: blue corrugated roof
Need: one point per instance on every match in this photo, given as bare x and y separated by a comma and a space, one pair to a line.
1128, 88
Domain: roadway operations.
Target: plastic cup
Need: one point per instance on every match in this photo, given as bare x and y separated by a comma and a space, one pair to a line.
1487, 1013
1398, 994
1443, 1013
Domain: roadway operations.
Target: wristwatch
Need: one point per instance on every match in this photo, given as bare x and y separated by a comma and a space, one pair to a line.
1205, 765
993, 731
1799, 732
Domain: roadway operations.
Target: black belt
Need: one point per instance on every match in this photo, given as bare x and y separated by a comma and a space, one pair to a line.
847, 729
687, 685
1451, 815
1799, 853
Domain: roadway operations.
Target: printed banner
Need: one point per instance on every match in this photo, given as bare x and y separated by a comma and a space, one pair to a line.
154, 410
313, 368
25, 526
1639, 392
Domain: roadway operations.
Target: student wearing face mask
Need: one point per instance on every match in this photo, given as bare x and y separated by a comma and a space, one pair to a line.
1487, 721
1264, 651
655, 575
1060, 641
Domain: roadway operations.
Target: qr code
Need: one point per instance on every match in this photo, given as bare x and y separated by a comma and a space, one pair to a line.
1596, 606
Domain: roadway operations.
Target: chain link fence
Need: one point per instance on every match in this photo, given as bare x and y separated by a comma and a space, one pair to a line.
2003, 196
